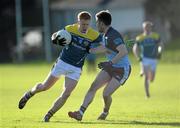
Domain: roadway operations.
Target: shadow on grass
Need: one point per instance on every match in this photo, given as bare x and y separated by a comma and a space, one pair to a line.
122, 122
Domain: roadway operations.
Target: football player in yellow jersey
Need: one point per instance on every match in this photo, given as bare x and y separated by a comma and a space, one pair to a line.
147, 49
69, 63
114, 72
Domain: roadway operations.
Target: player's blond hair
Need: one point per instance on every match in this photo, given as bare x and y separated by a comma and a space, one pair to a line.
145, 23
84, 15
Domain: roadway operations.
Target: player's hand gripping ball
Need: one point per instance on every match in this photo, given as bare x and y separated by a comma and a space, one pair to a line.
62, 37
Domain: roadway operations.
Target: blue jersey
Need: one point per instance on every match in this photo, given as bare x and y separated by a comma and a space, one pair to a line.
76, 52
111, 40
148, 44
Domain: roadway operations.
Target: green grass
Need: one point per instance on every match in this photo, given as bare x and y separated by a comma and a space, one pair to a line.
130, 108
171, 53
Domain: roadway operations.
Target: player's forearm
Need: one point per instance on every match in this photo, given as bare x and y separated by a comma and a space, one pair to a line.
122, 52
96, 50
136, 51
119, 56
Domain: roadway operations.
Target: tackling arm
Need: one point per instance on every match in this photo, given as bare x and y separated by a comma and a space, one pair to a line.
107, 66
122, 51
99, 49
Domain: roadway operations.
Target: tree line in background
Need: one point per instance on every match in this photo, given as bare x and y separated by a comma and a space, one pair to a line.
166, 10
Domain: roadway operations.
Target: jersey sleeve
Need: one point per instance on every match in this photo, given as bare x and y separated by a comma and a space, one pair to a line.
118, 41
112, 43
139, 39
68, 28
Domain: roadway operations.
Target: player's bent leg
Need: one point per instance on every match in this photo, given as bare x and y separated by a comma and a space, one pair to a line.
141, 69
147, 87
111, 87
147, 82
153, 70
152, 76
69, 86
49, 82
101, 79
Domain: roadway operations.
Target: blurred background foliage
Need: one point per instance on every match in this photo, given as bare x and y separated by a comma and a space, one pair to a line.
164, 14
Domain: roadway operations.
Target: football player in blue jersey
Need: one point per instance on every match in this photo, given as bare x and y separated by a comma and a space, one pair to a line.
114, 72
147, 49
69, 63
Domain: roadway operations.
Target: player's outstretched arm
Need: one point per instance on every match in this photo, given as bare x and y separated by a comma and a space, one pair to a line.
122, 51
99, 49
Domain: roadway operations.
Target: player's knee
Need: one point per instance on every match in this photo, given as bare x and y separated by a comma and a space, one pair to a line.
41, 87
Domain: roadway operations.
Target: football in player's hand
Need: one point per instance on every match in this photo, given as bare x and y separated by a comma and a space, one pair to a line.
62, 37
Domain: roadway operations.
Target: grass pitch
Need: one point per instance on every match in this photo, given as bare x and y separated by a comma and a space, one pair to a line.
130, 108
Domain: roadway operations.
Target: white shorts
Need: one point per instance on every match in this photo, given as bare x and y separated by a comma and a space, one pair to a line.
63, 68
148, 62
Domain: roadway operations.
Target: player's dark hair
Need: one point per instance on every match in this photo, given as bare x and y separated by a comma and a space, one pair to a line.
104, 16
84, 15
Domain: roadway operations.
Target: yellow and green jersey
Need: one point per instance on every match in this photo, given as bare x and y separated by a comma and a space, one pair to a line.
148, 44
76, 52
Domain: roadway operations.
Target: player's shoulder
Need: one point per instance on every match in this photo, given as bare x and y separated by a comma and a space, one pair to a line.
140, 37
155, 35
113, 34
113, 31
71, 28
93, 31
93, 34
